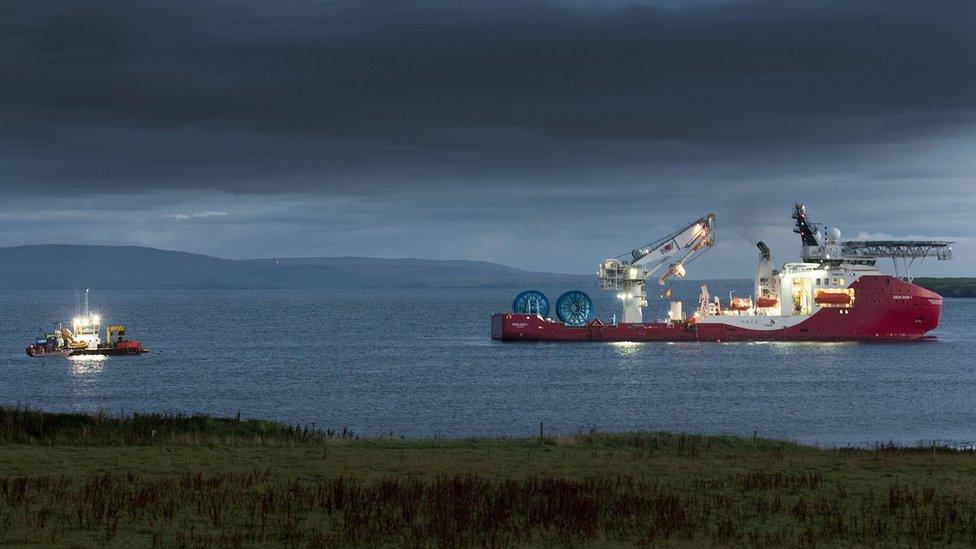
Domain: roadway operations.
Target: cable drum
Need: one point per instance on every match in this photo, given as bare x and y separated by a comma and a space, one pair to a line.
574, 308
531, 302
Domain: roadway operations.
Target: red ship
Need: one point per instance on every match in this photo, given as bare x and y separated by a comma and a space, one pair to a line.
835, 294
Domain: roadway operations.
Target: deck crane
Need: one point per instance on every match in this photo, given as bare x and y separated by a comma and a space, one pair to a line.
627, 274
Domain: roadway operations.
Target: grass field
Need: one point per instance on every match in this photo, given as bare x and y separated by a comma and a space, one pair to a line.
154, 480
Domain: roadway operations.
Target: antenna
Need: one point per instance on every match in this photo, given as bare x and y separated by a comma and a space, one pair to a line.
86, 301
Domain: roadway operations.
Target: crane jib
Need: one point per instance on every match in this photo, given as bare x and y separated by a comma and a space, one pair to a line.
670, 253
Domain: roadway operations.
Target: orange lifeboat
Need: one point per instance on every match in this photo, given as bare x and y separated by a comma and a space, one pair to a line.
832, 298
740, 304
766, 302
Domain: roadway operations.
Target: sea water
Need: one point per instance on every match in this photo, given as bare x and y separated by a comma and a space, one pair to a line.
421, 363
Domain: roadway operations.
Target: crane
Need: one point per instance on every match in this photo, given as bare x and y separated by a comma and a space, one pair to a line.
627, 274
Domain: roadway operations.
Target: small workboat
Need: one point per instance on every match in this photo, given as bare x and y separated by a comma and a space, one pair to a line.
84, 338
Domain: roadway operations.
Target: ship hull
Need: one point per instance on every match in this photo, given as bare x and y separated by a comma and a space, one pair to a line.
110, 351
886, 309
36, 351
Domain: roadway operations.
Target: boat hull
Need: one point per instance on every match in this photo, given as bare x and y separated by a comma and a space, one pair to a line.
885, 309
110, 351
37, 351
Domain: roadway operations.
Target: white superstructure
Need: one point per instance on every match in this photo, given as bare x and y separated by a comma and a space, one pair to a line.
85, 328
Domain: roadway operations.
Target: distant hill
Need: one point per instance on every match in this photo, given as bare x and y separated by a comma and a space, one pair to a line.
949, 287
130, 267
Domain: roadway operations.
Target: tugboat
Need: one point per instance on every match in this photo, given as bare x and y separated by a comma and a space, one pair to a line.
84, 338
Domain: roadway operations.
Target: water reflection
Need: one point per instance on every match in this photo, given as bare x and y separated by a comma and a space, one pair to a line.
629, 358
86, 367
625, 348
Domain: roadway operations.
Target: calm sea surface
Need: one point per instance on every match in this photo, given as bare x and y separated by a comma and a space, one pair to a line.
421, 363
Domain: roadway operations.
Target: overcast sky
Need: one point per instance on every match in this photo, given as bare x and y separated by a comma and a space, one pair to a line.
541, 135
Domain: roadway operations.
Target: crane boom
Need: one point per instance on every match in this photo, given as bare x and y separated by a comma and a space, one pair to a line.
627, 275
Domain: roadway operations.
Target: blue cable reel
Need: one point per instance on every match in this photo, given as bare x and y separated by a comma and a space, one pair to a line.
574, 308
531, 302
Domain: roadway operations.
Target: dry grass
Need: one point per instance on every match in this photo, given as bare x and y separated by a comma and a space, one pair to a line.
260, 508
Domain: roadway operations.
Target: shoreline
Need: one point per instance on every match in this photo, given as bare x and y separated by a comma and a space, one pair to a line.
102, 427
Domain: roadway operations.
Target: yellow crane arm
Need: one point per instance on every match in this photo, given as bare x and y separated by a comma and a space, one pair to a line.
113, 329
69, 338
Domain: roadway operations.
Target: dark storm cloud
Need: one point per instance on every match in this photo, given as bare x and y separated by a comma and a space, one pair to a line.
376, 96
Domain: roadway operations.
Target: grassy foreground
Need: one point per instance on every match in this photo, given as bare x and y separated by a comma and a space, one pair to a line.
154, 480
